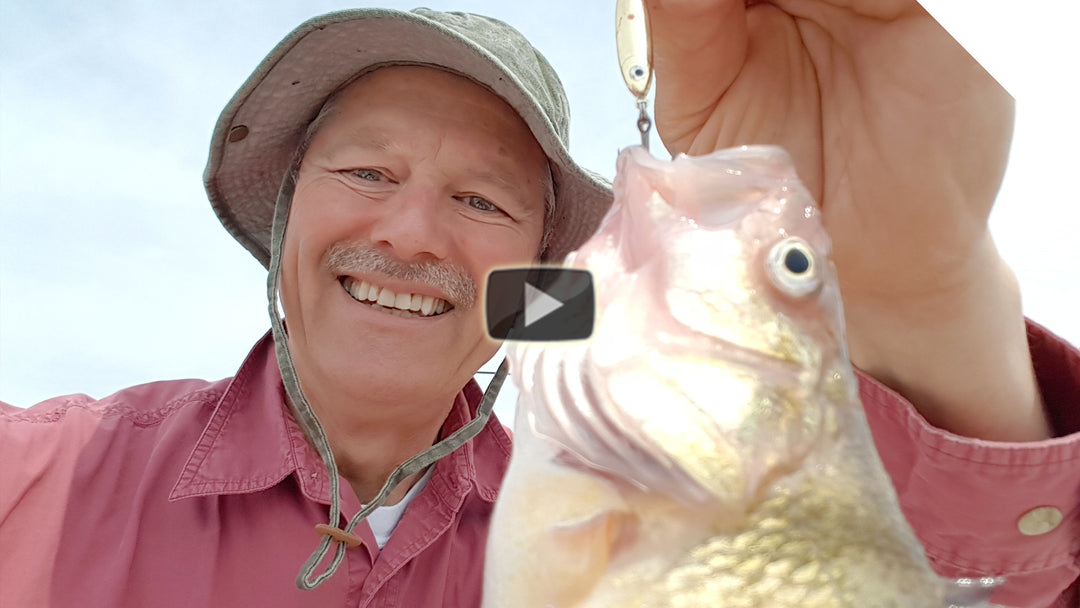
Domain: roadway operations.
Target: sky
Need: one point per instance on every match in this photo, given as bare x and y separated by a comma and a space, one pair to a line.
114, 270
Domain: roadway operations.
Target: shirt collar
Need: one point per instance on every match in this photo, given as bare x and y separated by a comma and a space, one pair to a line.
247, 445
251, 443
480, 463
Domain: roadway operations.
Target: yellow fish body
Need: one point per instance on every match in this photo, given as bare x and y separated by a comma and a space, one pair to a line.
706, 447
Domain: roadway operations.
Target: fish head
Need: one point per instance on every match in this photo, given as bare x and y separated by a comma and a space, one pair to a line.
728, 249
719, 332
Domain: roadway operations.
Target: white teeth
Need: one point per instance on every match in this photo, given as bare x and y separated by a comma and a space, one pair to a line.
386, 298
359, 290
402, 304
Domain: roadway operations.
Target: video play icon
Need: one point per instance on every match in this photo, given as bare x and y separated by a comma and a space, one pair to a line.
539, 304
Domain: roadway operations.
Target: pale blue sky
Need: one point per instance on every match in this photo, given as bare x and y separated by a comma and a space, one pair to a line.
114, 271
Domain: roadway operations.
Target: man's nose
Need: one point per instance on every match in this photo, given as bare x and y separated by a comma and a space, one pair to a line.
412, 224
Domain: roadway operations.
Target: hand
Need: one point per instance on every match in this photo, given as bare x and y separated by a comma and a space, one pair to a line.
902, 138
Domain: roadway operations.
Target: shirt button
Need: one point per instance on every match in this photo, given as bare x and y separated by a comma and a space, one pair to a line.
1039, 520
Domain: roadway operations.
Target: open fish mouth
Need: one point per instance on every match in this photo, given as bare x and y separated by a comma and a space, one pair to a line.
789, 372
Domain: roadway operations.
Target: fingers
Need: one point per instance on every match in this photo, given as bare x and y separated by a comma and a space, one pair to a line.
698, 49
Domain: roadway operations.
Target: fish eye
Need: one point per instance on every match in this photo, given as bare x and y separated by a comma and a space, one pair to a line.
793, 268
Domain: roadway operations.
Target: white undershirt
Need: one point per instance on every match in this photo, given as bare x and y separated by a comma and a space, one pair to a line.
383, 520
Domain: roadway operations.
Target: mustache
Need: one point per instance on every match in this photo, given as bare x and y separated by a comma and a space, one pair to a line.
450, 279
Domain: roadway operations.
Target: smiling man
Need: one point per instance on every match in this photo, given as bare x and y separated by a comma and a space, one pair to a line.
379, 163
404, 201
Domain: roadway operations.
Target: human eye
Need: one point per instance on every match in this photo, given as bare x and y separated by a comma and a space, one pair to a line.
480, 204
368, 175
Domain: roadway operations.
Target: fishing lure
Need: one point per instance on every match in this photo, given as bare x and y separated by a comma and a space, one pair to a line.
634, 47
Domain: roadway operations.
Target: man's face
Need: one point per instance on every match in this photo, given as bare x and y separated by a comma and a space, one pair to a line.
417, 185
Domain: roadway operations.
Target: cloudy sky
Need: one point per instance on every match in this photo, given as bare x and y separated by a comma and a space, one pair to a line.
114, 271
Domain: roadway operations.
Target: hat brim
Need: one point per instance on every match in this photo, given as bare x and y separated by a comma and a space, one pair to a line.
258, 133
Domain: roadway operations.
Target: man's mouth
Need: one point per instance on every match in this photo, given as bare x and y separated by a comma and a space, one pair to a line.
399, 304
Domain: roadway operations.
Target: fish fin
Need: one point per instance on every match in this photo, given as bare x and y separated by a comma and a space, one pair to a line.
585, 550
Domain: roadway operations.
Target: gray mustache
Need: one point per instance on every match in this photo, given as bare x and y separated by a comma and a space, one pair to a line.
449, 278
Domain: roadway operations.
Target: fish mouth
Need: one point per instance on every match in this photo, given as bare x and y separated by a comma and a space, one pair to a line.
744, 335
401, 304
789, 370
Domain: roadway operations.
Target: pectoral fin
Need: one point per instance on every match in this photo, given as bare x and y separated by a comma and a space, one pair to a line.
584, 551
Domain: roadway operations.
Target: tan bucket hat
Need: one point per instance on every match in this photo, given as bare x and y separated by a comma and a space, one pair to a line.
259, 130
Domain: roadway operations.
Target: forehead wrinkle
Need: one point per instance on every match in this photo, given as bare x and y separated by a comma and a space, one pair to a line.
367, 139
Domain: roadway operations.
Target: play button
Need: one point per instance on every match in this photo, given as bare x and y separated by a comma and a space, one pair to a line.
539, 304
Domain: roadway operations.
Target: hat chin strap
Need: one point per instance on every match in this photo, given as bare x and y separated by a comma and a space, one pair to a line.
313, 430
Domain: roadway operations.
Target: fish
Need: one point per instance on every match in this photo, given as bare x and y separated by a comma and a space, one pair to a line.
706, 446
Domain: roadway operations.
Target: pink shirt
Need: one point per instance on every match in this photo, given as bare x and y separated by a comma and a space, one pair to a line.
195, 494
965, 497
190, 493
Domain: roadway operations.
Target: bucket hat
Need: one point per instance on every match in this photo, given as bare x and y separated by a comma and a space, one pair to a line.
250, 185
258, 132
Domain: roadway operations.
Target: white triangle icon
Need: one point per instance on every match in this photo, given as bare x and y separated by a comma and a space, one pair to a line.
538, 304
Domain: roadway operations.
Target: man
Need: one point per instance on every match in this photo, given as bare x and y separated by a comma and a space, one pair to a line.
400, 173
206, 494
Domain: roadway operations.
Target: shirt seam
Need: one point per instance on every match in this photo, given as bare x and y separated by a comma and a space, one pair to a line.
1054, 451
137, 417
403, 555
1056, 561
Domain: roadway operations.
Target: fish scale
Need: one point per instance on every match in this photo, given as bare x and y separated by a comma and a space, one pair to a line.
819, 545
793, 553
